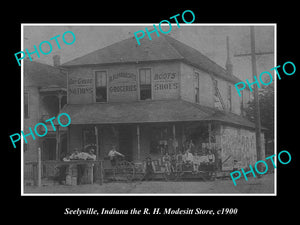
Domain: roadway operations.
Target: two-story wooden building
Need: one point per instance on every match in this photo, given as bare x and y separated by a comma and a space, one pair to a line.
162, 92
44, 96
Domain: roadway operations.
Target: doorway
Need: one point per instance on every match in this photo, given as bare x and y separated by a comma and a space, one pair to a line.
126, 141
49, 149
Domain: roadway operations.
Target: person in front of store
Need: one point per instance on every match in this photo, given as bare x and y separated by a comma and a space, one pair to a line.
166, 159
210, 156
179, 161
114, 155
75, 154
211, 162
148, 169
188, 160
188, 156
218, 158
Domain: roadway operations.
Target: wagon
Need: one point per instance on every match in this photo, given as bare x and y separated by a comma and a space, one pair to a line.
123, 170
204, 171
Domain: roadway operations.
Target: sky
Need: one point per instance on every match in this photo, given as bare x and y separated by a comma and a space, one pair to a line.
209, 39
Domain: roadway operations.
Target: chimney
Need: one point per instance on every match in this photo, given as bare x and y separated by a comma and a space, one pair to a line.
229, 66
56, 60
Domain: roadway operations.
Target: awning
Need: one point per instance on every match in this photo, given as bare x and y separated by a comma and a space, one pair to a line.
148, 112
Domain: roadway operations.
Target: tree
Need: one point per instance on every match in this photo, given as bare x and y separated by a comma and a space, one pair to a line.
266, 104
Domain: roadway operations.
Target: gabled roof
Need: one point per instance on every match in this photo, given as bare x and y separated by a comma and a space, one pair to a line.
148, 112
159, 48
42, 75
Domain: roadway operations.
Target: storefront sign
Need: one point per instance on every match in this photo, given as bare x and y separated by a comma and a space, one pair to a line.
121, 75
79, 86
122, 82
122, 86
165, 81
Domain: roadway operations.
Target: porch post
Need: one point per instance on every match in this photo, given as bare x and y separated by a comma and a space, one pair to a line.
57, 153
183, 137
59, 100
174, 139
138, 142
174, 132
39, 168
209, 133
68, 139
97, 143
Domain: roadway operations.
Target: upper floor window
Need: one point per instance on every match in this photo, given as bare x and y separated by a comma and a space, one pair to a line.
196, 86
215, 88
145, 84
26, 105
218, 100
229, 98
101, 86
242, 102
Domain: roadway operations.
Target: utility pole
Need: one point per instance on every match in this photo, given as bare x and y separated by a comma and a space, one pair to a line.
259, 151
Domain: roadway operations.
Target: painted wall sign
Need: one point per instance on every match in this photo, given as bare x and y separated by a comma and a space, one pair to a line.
80, 89
122, 86
165, 81
165, 84
80, 86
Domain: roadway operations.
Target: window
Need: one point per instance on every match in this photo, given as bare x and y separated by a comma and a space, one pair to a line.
145, 84
242, 102
229, 98
25, 147
101, 86
218, 101
196, 85
215, 88
26, 105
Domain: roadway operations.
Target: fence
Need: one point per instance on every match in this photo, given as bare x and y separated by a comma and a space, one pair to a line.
34, 171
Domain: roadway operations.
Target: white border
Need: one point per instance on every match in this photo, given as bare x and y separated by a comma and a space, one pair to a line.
144, 194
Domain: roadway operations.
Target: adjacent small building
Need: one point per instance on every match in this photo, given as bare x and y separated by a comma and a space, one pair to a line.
45, 93
140, 97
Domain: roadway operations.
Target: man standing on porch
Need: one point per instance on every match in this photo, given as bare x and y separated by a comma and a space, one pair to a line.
113, 155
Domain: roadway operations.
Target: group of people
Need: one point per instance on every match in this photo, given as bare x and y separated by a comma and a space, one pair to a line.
186, 161
64, 170
80, 155
179, 161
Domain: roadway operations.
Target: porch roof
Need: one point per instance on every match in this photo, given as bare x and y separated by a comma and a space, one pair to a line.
148, 112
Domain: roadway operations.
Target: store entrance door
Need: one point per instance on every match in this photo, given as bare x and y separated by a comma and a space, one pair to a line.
125, 141
49, 149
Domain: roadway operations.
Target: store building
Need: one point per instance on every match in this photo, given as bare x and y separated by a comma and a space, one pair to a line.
162, 92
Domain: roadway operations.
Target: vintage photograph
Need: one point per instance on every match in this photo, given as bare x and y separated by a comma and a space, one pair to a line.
162, 117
